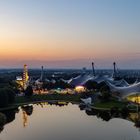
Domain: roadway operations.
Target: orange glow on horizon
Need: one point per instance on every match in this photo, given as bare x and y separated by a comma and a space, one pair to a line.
42, 50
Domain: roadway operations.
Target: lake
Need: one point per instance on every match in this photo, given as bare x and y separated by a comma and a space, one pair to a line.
67, 121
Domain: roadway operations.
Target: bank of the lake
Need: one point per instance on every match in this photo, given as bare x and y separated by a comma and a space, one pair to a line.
23, 100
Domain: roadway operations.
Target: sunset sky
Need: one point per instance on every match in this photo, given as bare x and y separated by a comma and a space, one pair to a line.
69, 33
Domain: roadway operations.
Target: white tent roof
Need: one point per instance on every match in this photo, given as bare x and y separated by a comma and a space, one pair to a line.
125, 91
81, 79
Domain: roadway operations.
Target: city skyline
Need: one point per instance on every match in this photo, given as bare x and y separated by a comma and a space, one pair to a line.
70, 33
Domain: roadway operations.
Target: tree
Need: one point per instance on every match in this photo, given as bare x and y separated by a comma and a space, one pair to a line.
3, 98
7, 96
2, 121
105, 92
105, 115
124, 112
28, 109
90, 85
48, 85
101, 84
61, 84
15, 86
11, 95
29, 91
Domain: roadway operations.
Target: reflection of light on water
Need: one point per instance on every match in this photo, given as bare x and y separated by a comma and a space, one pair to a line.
62, 103
25, 119
134, 116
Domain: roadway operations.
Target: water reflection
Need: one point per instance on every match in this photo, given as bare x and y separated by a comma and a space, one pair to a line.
113, 113
27, 111
60, 104
7, 117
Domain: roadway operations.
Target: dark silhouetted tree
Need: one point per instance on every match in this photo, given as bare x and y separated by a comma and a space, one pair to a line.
28, 109
2, 121
11, 95
7, 96
90, 85
29, 91
105, 93
3, 98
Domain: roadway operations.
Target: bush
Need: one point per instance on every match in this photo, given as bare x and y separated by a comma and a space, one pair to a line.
28, 109
105, 93
11, 95
90, 85
3, 98
2, 121
29, 91
7, 96
102, 84
124, 112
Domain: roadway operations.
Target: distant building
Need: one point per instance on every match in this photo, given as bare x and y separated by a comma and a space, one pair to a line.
19, 81
23, 80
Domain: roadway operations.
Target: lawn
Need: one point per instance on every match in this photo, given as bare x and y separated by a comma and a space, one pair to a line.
110, 104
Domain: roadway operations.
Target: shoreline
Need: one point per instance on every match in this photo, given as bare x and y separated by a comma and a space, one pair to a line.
75, 99
21, 101
33, 102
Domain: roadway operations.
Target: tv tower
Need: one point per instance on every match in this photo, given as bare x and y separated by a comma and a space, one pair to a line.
114, 70
25, 77
93, 69
42, 74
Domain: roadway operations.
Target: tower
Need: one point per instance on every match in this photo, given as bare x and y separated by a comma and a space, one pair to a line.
25, 77
42, 74
114, 70
93, 69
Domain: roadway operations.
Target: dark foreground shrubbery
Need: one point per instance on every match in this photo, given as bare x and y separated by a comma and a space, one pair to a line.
91, 85
29, 91
2, 121
7, 96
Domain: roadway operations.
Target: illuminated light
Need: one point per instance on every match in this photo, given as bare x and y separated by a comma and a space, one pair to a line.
135, 99
62, 103
19, 78
19, 81
25, 119
23, 80
25, 77
80, 89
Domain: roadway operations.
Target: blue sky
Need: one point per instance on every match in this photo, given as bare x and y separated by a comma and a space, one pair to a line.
69, 30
